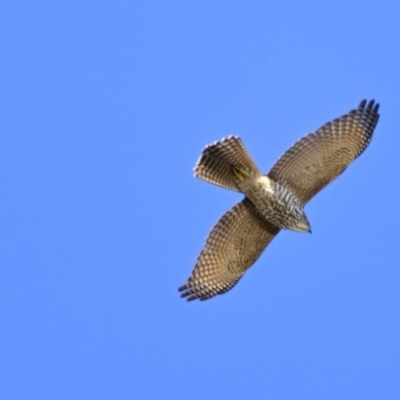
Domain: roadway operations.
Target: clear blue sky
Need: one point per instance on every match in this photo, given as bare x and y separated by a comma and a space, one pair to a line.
105, 108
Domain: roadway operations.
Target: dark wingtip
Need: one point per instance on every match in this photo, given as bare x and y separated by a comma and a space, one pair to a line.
187, 292
182, 288
362, 104
370, 108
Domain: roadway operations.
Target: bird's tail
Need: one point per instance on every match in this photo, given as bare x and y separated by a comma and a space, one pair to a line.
220, 162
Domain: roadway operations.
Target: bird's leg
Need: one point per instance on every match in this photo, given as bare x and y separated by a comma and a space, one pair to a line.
240, 173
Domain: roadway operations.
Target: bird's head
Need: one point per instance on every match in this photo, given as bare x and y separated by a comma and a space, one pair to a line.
302, 224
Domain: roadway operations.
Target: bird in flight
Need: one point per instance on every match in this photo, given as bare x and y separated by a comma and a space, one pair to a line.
273, 201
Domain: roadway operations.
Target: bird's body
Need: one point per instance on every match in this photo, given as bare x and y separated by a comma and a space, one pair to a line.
273, 201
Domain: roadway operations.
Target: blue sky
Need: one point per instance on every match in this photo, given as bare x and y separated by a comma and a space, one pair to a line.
106, 107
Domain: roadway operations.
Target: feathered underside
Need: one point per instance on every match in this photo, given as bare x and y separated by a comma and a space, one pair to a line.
241, 235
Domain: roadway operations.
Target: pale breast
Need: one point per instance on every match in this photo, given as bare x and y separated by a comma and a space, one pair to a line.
274, 202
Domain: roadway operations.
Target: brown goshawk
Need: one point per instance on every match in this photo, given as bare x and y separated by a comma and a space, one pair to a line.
273, 201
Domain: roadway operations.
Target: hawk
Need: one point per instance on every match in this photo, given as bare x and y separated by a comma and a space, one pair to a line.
273, 201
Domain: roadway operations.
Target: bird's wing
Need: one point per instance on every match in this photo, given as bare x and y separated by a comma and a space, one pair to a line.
232, 246
318, 158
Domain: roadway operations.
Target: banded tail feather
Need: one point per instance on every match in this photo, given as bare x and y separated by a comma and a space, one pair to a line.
219, 161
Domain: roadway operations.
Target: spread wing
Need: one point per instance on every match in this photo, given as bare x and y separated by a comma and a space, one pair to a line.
318, 158
233, 245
